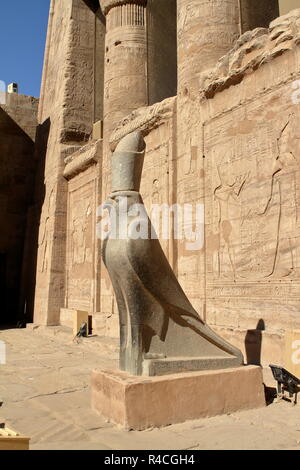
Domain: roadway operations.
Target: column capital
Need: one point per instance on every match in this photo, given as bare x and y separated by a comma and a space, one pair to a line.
107, 5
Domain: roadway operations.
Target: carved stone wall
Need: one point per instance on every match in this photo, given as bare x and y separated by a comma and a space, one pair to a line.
247, 128
83, 248
206, 31
99, 54
81, 262
17, 172
23, 110
228, 141
65, 117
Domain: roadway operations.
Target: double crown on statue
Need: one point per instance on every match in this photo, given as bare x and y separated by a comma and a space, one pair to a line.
127, 163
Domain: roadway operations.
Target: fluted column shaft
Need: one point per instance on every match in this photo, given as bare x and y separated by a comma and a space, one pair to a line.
125, 81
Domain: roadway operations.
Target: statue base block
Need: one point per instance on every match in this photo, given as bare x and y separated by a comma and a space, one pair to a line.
138, 403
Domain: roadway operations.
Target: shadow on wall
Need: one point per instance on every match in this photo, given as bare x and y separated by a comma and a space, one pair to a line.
253, 344
26, 306
17, 169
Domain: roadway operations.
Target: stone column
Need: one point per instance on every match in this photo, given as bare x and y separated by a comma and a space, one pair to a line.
125, 89
125, 78
257, 13
162, 49
206, 31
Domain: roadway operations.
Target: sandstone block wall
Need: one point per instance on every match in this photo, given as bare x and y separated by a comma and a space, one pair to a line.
17, 171
23, 110
82, 279
248, 122
225, 142
238, 157
65, 123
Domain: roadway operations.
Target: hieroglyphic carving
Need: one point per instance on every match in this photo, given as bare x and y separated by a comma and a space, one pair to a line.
206, 29
229, 205
253, 163
82, 159
81, 242
284, 183
214, 12
44, 238
80, 223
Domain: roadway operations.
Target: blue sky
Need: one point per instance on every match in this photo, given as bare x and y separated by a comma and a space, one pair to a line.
23, 28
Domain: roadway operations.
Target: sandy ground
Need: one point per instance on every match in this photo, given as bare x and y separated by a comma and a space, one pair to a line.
45, 389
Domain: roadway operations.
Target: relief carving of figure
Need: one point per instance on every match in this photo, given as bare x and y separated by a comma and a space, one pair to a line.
44, 241
227, 195
284, 177
79, 235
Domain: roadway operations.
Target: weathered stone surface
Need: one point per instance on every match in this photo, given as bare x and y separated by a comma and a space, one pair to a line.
66, 117
17, 174
79, 161
73, 319
138, 404
23, 110
82, 269
144, 120
208, 30
107, 5
231, 113
252, 50
125, 87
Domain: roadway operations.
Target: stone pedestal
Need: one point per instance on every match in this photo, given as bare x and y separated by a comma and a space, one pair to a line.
138, 403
